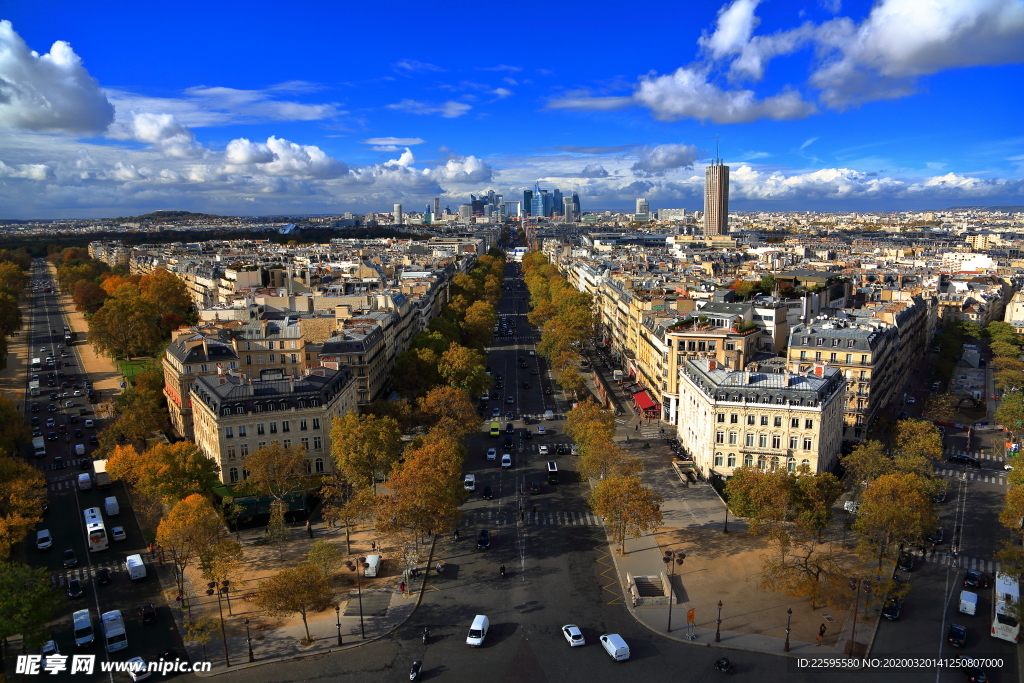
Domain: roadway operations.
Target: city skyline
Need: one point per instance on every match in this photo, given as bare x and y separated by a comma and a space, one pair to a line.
822, 106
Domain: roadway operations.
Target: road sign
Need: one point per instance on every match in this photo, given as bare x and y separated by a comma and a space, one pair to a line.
690, 615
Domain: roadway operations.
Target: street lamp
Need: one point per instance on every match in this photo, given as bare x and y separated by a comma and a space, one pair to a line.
855, 584
726, 529
337, 615
718, 627
672, 558
223, 633
789, 619
357, 567
227, 595
248, 641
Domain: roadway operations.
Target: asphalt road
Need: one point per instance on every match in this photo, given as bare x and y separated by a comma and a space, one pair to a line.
65, 522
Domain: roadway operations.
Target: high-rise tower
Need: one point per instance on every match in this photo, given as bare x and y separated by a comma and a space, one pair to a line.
716, 198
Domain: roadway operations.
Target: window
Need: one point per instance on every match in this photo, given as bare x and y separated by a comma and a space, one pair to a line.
319, 465
731, 462
241, 431
820, 341
750, 439
849, 358
864, 359
248, 346
286, 426
748, 460
751, 420
302, 425
833, 357
307, 356
272, 358
188, 369
248, 360
761, 462
808, 424
243, 449
225, 411
733, 437
774, 463
305, 443
295, 357
203, 367
794, 423
259, 429
721, 417
835, 342
807, 340
720, 437
231, 452
273, 428
803, 355
259, 360
863, 374
261, 444
233, 365
817, 355
794, 442
270, 406
240, 410
807, 444
233, 475
805, 462
730, 346
762, 441
734, 418
245, 474
778, 421
287, 443
776, 441
791, 464
309, 466
317, 442
229, 432
292, 345
718, 460
764, 420
849, 343
316, 423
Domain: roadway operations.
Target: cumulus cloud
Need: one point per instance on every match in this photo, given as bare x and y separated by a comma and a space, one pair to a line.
448, 110
28, 171
162, 131
49, 92
593, 171
462, 170
279, 157
655, 161
735, 26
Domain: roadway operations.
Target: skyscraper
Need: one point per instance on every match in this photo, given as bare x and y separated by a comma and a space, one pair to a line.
437, 206
527, 201
398, 214
716, 199
556, 202
568, 209
577, 212
642, 207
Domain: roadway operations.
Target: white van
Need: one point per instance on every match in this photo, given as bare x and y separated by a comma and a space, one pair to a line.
84, 482
110, 506
478, 631
470, 482
134, 566
968, 603
549, 415
43, 539
79, 450
84, 634
615, 646
375, 561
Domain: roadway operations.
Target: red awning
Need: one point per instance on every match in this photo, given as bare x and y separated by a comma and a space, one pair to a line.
643, 401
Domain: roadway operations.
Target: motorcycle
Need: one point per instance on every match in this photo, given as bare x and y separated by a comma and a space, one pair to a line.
414, 673
426, 635
724, 665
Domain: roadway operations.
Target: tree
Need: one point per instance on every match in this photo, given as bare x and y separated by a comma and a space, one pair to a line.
803, 567
896, 510
200, 630
190, 527
464, 369
627, 507
426, 489
10, 313
167, 472
763, 497
605, 459
478, 324
325, 556
868, 461
813, 500
450, 409
571, 381
13, 432
277, 471
1013, 510
296, 590
416, 371
918, 441
22, 492
589, 424
13, 277
125, 325
27, 603
277, 529
345, 505
88, 296
168, 291
941, 407
365, 447
221, 561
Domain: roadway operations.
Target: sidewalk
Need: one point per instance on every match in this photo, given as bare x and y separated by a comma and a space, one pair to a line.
384, 610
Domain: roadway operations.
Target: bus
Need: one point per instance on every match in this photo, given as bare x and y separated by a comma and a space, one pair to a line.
95, 530
113, 631
1005, 595
33, 388
37, 364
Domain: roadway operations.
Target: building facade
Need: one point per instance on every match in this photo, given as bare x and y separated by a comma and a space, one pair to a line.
716, 199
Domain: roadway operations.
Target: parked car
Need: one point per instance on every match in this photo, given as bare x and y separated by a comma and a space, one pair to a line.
891, 610
118, 534
543, 450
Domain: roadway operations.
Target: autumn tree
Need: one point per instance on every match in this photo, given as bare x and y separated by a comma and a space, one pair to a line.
1013, 510
125, 325
868, 461
941, 407
416, 371
478, 324
168, 291
346, 505
449, 409
627, 507
588, 424
88, 296
10, 313
804, 567
325, 556
298, 590
190, 527
166, 472
464, 369
918, 443
763, 497
606, 459
895, 511
13, 277
13, 432
365, 447
426, 488
813, 498
200, 630
27, 604
22, 492
221, 562
277, 471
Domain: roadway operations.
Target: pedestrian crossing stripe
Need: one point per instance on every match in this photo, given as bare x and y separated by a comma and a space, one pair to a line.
542, 518
977, 455
61, 578
961, 562
974, 476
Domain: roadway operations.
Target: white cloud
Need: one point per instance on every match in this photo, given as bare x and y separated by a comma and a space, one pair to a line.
462, 170
386, 148
405, 142
736, 23
259, 104
586, 103
500, 67
594, 171
448, 110
28, 171
501, 93
49, 92
162, 131
415, 66
655, 161
279, 157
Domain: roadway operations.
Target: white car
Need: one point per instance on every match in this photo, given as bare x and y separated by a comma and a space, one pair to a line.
911, 399
88, 423
506, 461
492, 453
137, 669
574, 635
543, 450
541, 431
470, 482
118, 534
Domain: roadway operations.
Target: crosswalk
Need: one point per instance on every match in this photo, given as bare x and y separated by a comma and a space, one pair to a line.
83, 574
986, 476
503, 517
977, 455
946, 558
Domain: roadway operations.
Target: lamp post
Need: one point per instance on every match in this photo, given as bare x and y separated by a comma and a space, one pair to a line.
672, 558
855, 584
227, 594
248, 641
718, 624
223, 633
357, 567
726, 529
337, 615
789, 619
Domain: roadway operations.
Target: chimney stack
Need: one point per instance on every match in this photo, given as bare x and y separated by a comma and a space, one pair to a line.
712, 364
819, 369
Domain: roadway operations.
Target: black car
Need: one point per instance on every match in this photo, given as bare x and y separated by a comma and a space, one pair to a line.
975, 579
956, 635
527, 434
509, 415
940, 497
93, 439
53, 395
35, 421
891, 611
69, 559
905, 563
85, 463
74, 588
51, 436
534, 487
937, 537
510, 428
965, 459
35, 407
560, 448
103, 576
487, 494
483, 541
972, 670
148, 614
78, 433
58, 463
73, 419
547, 391
526, 385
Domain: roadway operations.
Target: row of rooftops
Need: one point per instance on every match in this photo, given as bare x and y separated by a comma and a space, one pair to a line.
271, 391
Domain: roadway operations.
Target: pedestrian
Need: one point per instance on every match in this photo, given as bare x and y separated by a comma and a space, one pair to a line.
638, 427
309, 528
401, 587
821, 633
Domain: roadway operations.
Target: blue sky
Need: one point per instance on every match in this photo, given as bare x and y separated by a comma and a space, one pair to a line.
261, 108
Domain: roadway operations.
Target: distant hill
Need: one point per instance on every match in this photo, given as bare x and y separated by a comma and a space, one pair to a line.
159, 216
1008, 209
